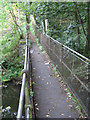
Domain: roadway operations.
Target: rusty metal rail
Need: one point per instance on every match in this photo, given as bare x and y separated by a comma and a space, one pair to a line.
73, 67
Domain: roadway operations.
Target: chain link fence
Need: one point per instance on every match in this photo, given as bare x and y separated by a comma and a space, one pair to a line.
73, 67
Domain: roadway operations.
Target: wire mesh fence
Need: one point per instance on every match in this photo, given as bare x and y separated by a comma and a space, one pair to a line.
73, 67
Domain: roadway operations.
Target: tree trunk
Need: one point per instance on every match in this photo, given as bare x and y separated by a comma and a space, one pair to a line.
27, 25
17, 26
77, 28
87, 46
44, 26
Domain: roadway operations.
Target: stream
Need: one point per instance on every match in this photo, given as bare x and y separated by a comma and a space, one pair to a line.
10, 99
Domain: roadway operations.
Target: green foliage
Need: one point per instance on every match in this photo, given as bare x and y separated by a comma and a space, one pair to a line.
10, 42
31, 93
37, 41
63, 25
13, 69
31, 29
33, 83
9, 54
79, 107
44, 51
40, 47
52, 65
54, 69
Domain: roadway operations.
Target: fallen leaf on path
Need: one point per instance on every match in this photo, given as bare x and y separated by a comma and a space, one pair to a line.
34, 68
36, 104
66, 100
54, 104
31, 51
62, 114
69, 96
47, 63
7, 108
33, 82
37, 109
50, 75
57, 75
61, 81
50, 110
70, 105
68, 93
66, 90
47, 115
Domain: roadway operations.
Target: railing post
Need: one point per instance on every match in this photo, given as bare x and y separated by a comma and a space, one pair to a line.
49, 45
88, 93
0, 92
72, 74
60, 53
62, 59
39, 37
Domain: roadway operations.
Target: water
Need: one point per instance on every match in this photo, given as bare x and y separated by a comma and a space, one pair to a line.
10, 99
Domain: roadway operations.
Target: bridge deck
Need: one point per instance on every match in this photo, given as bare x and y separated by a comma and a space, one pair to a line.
51, 100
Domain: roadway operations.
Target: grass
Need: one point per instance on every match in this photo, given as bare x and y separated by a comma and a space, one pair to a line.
31, 93
44, 51
55, 70
77, 104
40, 47
52, 64
33, 83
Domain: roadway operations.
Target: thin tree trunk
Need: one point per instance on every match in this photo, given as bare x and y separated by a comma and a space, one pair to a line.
78, 31
87, 46
44, 26
81, 21
15, 21
27, 25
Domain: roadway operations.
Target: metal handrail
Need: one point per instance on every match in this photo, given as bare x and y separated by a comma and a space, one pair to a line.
27, 99
85, 58
20, 108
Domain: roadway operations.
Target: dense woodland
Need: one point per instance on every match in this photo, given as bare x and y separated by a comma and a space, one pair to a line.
67, 22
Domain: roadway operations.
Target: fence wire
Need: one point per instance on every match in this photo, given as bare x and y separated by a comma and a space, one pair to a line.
73, 68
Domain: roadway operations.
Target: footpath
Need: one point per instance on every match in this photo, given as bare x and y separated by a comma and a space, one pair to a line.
50, 97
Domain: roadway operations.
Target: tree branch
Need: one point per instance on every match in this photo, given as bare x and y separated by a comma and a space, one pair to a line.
15, 21
81, 21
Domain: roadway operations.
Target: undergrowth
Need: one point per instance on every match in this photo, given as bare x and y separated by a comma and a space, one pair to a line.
40, 47
10, 60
